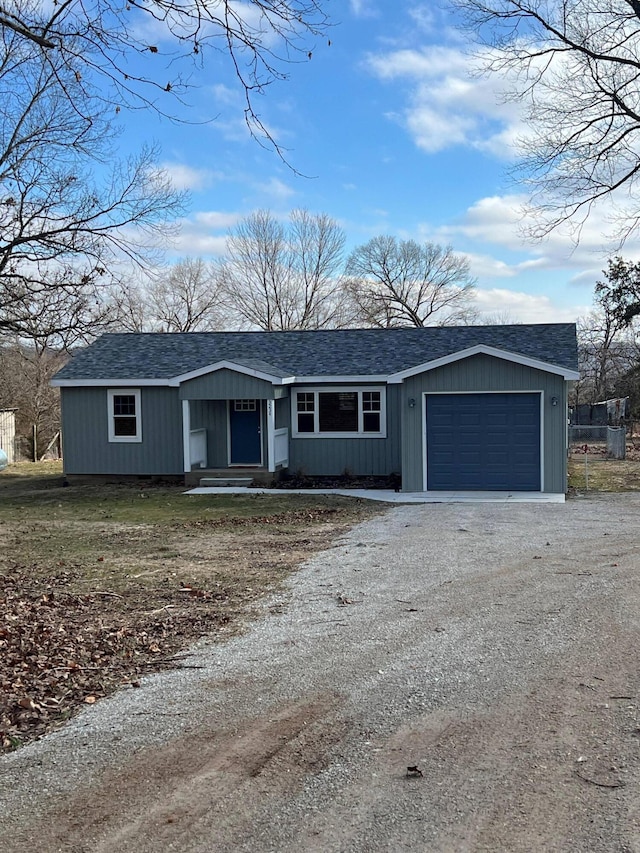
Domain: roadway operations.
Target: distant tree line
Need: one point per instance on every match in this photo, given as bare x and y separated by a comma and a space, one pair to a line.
609, 341
295, 274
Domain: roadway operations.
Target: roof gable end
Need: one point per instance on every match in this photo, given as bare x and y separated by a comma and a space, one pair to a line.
483, 349
237, 367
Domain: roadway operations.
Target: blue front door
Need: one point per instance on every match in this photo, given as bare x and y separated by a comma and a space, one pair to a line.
244, 429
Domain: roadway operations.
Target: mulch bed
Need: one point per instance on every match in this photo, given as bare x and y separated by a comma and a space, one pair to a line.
344, 481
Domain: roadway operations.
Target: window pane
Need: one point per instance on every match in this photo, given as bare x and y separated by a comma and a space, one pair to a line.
371, 421
338, 411
305, 422
305, 402
124, 426
124, 404
370, 401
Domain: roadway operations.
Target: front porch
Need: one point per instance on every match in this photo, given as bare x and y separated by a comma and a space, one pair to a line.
238, 441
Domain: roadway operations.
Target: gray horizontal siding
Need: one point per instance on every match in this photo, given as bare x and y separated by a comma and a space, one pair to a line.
361, 456
485, 373
86, 446
226, 384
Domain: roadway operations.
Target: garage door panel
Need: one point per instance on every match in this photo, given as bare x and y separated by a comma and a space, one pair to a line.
496, 420
469, 420
483, 442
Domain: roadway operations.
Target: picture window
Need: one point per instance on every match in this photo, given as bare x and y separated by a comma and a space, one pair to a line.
339, 412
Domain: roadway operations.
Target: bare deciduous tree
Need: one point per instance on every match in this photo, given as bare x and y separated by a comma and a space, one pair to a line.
605, 352
575, 65
185, 298
285, 276
130, 311
141, 54
402, 283
68, 209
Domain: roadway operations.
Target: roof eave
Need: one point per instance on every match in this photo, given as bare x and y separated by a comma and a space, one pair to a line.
175, 381
109, 383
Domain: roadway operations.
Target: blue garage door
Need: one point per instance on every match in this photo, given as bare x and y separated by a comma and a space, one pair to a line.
483, 442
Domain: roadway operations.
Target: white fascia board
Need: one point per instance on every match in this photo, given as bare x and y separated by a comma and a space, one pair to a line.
230, 365
108, 383
349, 380
482, 349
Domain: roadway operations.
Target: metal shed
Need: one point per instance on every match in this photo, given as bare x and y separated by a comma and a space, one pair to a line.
8, 433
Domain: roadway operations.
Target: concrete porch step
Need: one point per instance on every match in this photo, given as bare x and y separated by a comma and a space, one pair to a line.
226, 481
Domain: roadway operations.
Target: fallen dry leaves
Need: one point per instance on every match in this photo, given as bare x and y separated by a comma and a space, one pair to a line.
59, 649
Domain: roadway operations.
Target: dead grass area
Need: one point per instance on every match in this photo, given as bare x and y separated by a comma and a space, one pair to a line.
102, 583
595, 471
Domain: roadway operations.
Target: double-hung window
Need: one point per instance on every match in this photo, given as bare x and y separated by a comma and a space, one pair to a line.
339, 413
125, 420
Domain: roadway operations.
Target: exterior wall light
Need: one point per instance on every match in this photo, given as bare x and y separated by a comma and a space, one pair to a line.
412, 402
554, 401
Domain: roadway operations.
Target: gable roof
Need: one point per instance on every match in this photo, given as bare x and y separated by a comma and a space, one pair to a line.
282, 356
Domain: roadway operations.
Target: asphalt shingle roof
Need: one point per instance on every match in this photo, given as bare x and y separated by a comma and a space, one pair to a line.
349, 352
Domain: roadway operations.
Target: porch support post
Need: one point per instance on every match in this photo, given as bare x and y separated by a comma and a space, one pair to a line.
271, 435
186, 435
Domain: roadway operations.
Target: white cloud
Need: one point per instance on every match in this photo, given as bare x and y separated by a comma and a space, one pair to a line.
187, 178
522, 307
559, 275
276, 189
204, 234
494, 219
193, 243
236, 129
362, 8
418, 65
216, 220
487, 267
424, 17
500, 220
449, 102
225, 94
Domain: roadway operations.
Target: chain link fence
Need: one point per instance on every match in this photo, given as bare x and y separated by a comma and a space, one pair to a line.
609, 442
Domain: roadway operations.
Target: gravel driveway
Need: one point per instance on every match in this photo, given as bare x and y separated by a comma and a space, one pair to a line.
493, 647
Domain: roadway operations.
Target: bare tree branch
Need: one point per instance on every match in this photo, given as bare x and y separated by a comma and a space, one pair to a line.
69, 211
401, 283
575, 65
98, 40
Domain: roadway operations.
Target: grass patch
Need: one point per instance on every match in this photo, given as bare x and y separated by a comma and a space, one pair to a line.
604, 475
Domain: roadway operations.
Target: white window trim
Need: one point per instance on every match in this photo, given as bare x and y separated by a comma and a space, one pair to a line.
321, 389
117, 439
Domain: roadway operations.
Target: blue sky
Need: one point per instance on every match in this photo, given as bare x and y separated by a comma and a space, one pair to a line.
397, 137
